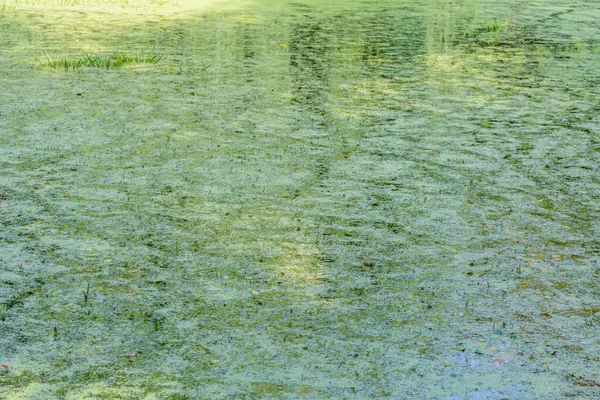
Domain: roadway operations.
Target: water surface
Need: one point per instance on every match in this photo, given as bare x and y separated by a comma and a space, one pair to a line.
301, 200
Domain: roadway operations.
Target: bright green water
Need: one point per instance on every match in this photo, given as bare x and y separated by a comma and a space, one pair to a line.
354, 200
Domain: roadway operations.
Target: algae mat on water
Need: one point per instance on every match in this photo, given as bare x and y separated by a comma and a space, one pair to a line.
360, 200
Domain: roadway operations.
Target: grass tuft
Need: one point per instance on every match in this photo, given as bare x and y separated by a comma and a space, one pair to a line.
493, 26
111, 61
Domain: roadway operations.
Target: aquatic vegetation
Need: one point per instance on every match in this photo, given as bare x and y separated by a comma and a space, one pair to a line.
111, 61
306, 200
494, 26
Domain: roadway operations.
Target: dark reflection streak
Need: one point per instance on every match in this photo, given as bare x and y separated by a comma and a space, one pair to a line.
309, 65
392, 43
247, 41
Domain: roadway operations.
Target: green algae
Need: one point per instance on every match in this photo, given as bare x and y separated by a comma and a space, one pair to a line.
350, 201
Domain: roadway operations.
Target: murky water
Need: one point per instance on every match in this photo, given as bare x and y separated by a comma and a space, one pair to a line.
354, 199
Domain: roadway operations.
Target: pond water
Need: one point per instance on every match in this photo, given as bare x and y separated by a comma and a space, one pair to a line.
275, 199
